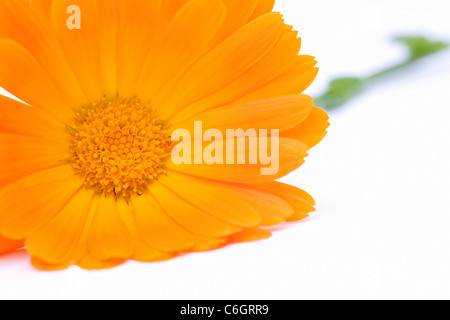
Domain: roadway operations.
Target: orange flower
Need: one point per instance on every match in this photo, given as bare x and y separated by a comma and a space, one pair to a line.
86, 176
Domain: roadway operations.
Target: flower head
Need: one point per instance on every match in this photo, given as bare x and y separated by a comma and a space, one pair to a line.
86, 174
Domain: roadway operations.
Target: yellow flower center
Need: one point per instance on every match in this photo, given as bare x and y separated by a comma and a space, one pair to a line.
119, 146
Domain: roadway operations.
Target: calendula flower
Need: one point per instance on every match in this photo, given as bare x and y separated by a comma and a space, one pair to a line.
86, 174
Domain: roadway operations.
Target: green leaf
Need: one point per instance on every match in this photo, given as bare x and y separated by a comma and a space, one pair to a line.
339, 92
420, 47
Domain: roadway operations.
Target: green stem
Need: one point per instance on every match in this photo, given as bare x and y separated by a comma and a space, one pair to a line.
389, 71
344, 89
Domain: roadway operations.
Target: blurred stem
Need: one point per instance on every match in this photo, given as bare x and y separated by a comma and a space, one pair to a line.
342, 90
389, 71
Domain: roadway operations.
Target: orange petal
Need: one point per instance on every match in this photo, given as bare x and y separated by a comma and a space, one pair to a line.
56, 241
280, 113
28, 23
312, 130
142, 251
191, 218
45, 194
8, 245
291, 156
137, 26
169, 10
223, 64
273, 209
203, 243
157, 229
238, 13
273, 64
149, 254
79, 254
43, 6
108, 42
21, 75
108, 236
44, 266
301, 201
89, 263
24, 155
216, 199
296, 79
186, 39
249, 235
86, 263
18, 118
81, 47
263, 7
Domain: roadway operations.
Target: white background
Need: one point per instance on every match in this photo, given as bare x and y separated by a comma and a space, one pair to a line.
381, 179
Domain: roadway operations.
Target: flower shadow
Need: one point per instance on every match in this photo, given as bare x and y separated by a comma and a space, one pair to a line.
19, 258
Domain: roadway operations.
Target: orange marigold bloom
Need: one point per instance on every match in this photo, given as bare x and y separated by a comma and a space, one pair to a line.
85, 173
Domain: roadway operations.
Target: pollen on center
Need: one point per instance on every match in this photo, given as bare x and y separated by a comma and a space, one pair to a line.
119, 146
